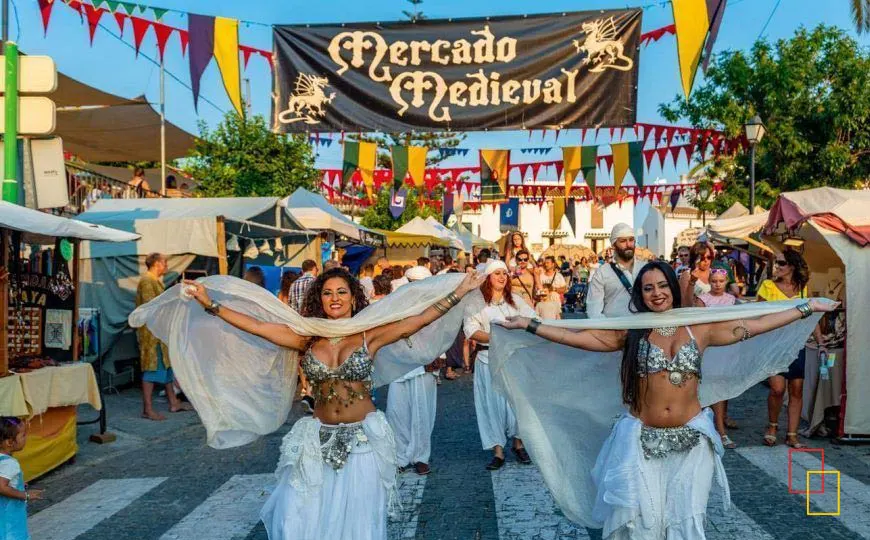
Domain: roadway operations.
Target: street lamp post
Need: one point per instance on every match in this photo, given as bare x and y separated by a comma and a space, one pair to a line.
755, 131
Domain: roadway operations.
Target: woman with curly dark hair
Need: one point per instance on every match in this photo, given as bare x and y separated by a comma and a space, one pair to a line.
790, 277
337, 468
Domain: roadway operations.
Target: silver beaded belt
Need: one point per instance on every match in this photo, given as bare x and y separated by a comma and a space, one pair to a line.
336, 442
658, 442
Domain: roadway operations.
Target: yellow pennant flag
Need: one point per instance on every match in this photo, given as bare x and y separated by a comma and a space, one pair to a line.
620, 163
417, 164
571, 165
558, 212
692, 23
226, 52
368, 157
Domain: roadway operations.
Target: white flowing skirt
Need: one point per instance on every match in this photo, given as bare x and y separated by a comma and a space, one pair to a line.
657, 498
411, 407
495, 418
312, 501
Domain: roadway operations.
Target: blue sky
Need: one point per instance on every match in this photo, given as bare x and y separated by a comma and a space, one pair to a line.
112, 66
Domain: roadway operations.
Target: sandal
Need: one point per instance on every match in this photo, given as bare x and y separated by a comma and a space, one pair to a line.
791, 439
770, 439
728, 443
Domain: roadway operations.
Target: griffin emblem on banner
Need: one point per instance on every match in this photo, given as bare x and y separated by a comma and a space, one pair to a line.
602, 48
307, 101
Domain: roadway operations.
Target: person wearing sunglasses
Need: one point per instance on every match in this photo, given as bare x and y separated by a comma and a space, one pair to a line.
790, 277
696, 281
524, 280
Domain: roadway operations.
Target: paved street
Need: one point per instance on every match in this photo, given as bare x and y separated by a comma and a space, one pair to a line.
160, 481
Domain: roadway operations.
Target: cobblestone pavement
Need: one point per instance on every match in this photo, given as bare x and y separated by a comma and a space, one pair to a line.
160, 481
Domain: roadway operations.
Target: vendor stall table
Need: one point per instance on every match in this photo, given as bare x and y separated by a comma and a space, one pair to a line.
820, 394
48, 396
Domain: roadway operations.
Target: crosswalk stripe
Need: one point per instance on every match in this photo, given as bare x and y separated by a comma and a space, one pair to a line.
525, 508
731, 524
854, 495
231, 511
78, 513
411, 487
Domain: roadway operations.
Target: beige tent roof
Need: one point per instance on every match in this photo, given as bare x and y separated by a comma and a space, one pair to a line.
98, 126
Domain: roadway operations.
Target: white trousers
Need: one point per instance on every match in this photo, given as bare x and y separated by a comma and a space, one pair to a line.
411, 413
495, 418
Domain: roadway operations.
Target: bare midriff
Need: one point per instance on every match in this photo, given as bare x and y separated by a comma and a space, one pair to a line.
334, 412
667, 405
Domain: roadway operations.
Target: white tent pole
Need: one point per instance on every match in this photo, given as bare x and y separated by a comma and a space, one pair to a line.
162, 130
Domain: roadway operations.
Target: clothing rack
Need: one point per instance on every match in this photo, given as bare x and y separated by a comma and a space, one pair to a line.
93, 314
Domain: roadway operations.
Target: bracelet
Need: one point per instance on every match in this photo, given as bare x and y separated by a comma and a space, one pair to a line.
532, 328
805, 310
746, 333
213, 308
452, 299
440, 307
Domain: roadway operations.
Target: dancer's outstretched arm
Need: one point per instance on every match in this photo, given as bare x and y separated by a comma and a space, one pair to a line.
590, 340
279, 334
390, 333
729, 332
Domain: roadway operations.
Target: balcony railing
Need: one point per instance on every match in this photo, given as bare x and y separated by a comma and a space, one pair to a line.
86, 187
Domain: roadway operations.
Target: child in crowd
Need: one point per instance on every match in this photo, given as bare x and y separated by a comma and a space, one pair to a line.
550, 307
13, 494
717, 295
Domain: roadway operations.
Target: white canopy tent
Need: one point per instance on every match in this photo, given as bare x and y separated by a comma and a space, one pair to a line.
40, 224
419, 225
834, 226
181, 229
314, 212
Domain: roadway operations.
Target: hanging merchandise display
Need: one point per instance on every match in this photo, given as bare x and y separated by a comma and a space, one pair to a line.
538, 71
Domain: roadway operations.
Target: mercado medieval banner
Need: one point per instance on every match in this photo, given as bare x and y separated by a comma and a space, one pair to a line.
572, 70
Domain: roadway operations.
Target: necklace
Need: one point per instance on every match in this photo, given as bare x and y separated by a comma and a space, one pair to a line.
335, 340
666, 331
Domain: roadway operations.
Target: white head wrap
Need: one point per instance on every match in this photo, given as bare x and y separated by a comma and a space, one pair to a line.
620, 230
416, 273
492, 266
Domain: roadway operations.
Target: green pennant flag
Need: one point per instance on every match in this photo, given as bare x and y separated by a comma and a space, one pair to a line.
129, 7
635, 161
588, 164
112, 5
159, 12
350, 161
400, 165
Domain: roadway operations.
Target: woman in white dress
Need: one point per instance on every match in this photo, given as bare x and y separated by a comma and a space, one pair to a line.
654, 472
495, 419
337, 469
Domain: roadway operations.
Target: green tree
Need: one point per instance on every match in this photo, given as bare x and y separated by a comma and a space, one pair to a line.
242, 157
860, 15
813, 93
377, 216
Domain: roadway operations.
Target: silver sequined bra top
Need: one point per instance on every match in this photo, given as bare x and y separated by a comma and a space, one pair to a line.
326, 381
652, 359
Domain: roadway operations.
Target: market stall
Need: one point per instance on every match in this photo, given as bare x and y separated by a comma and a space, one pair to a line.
431, 227
405, 248
42, 376
831, 228
199, 236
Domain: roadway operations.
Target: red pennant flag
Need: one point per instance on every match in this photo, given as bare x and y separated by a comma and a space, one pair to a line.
582, 135
646, 133
536, 168
648, 156
120, 18
268, 56
45, 11
662, 153
559, 166
608, 161
185, 37
140, 28
246, 55
543, 134
611, 133
93, 15
557, 135
620, 132
162, 32
596, 135
669, 134
76, 5
675, 153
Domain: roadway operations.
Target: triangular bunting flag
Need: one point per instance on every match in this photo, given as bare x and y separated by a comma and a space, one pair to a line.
200, 30
183, 36
226, 53
620, 163
589, 164
129, 7
112, 5
692, 23
558, 213
582, 135
669, 135
608, 162
662, 153
675, 153
350, 162
140, 28
494, 166
159, 12
93, 16
715, 12
571, 213
246, 55
45, 12
162, 32
675, 198
648, 156
571, 164
120, 18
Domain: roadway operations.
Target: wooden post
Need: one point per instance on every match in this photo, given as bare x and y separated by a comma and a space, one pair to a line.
75, 316
222, 246
4, 305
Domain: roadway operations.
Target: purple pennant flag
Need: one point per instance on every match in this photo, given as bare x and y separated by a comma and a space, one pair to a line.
715, 12
200, 29
675, 198
397, 202
447, 206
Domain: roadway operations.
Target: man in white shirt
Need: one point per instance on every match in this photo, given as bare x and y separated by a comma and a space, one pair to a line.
411, 403
610, 285
365, 279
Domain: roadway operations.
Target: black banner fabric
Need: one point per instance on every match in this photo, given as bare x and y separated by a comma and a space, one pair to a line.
577, 70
